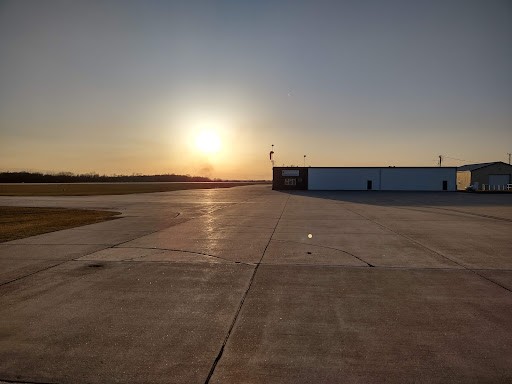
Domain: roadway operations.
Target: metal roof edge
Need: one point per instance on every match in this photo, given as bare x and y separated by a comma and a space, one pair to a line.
383, 167
479, 166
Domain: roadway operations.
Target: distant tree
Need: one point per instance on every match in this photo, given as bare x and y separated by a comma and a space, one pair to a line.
69, 177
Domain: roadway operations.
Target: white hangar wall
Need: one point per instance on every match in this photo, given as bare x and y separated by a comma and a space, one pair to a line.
383, 178
418, 179
332, 179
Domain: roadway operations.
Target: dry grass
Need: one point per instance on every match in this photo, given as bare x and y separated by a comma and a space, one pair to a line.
20, 222
84, 189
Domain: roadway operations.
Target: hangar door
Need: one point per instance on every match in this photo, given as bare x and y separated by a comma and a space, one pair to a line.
499, 179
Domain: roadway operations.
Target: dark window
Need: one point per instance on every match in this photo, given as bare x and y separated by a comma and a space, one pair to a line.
369, 185
445, 185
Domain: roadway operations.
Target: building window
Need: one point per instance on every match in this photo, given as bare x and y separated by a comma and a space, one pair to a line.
290, 181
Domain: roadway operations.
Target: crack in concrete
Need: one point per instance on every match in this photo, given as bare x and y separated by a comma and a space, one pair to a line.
327, 247
185, 251
108, 246
221, 351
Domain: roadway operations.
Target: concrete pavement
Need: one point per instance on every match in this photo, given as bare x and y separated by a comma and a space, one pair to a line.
257, 286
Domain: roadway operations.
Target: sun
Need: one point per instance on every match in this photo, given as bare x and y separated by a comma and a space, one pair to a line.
208, 142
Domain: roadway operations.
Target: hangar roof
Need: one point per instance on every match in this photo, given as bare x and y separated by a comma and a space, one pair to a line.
472, 167
369, 167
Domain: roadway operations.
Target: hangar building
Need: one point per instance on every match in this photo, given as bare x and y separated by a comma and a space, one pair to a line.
494, 174
365, 178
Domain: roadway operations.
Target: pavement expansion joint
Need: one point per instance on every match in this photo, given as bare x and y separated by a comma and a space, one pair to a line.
491, 280
53, 244
376, 267
185, 251
4, 381
432, 250
313, 312
237, 314
33, 273
474, 214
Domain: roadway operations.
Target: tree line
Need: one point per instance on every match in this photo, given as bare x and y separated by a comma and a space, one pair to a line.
69, 177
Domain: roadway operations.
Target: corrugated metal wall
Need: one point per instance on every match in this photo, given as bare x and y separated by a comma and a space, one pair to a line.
383, 178
418, 179
333, 179
482, 175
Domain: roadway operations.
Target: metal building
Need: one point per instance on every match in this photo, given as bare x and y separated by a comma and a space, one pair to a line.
493, 175
365, 178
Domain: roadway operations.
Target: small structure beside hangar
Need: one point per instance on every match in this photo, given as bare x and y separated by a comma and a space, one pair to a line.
365, 178
284, 178
495, 175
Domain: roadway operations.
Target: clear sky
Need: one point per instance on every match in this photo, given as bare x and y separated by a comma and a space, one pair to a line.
132, 86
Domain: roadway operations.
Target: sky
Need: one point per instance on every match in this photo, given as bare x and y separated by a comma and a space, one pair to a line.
123, 87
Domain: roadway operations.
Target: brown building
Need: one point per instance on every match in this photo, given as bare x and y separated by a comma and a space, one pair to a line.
285, 178
497, 175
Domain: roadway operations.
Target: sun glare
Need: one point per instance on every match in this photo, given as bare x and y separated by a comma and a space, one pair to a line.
208, 142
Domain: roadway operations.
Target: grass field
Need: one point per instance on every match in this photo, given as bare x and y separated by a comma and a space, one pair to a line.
20, 222
85, 189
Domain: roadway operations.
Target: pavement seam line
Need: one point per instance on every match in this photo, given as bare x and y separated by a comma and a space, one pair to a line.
182, 222
406, 237
33, 273
474, 214
465, 213
432, 250
159, 230
25, 382
108, 246
425, 208
239, 309
182, 250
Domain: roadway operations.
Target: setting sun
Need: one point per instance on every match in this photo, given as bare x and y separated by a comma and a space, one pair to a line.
208, 142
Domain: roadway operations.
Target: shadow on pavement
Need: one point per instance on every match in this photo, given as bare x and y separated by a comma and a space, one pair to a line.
410, 198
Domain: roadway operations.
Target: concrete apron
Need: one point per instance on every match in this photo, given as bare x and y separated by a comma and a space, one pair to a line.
256, 286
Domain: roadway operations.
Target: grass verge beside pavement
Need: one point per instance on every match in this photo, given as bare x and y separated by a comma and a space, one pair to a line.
86, 189
21, 222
